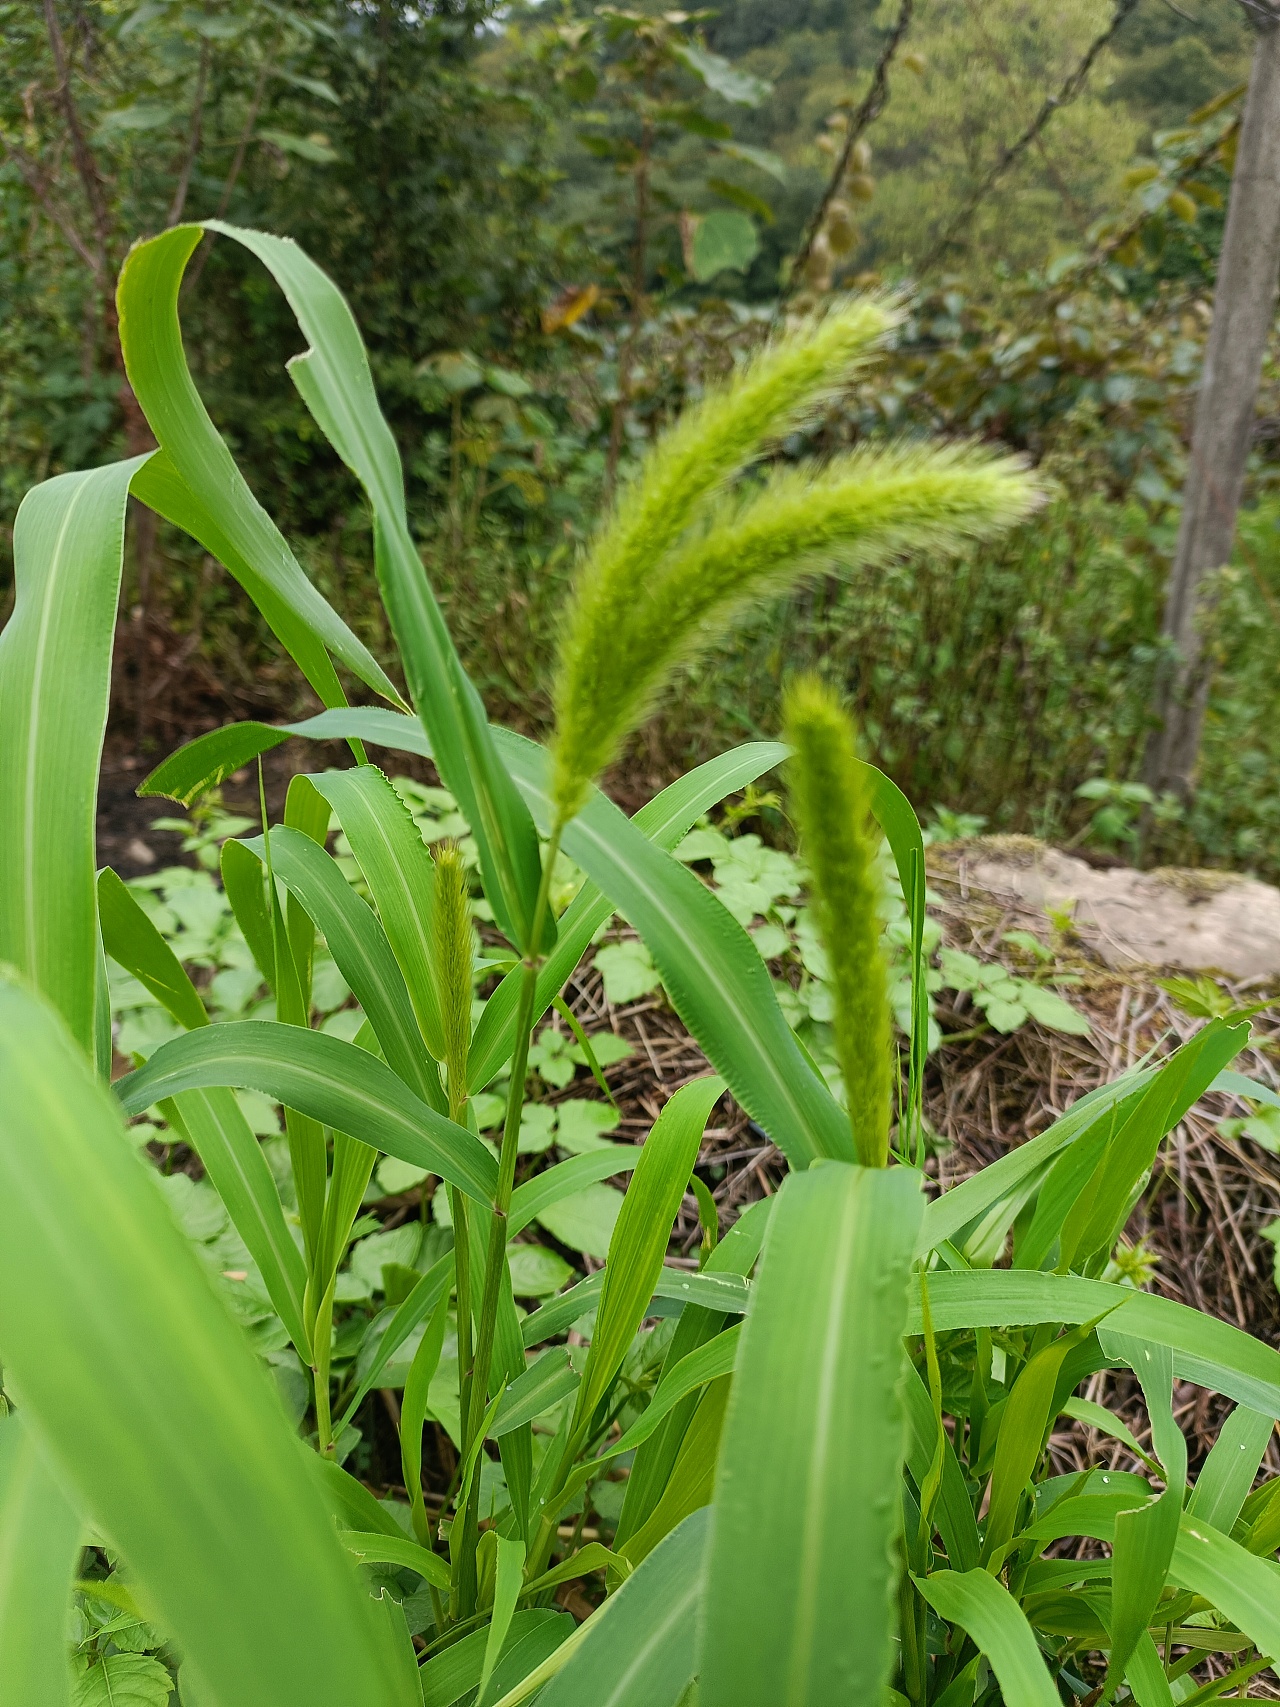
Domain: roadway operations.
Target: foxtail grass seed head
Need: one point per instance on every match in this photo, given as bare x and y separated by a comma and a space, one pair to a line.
710, 443
651, 596
829, 801
452, 925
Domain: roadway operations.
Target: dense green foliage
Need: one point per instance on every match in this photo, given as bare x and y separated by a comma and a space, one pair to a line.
763, 1440
492, 260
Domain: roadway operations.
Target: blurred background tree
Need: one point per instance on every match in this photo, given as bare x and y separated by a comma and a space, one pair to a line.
554, 220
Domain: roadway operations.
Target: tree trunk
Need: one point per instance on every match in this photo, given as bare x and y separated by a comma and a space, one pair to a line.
1243, 307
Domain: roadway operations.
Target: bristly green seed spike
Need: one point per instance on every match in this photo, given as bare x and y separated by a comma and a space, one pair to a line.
680, 558
707, 446
829, 802
452, 923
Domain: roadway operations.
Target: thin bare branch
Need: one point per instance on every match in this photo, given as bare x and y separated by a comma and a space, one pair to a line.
873, 104
1008, 155
86, 166
193, 138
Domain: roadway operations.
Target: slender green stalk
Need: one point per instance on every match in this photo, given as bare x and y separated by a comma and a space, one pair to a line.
496, 1255
451, 923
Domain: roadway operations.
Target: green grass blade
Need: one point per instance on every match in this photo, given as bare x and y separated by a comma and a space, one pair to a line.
722, 1292
507, 1579
1213, 1354
133, 942
39, 1547
211, 1120
397, 1549
1099, 1214
542, 1385
800, 1575
735, 1254
413, 1414
720, 986
362, 952
1146, 1677
246, 893
401, 877
716, 980
103, 1307
896, 817
214, 1125
195, 483
664, 820
450, 1678
639, 1240
333, 378
696, 1370
637, 1650
210, 759
412, 1310
989, 1614
1227, 1474
1140, 1558
574, 1174
334, 1083
1008, 1176
953, 1512
55, 678
1244, 1588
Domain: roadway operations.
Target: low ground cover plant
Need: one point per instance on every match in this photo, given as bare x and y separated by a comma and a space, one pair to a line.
818, 1459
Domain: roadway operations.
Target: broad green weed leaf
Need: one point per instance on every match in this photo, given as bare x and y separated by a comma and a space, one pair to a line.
39, 1547
800, 1576
335, 1083
640, 1238
195, 483
104, 1306
123, 1680
986, 1610
55, 678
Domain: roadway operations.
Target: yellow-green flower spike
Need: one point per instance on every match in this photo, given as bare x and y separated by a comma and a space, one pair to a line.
680, 557
596, 701
838, 839
452, 925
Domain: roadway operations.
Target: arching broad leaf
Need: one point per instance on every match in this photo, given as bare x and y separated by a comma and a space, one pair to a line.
41, 1544
104, 1306
55, 676
334, 1083
797, 1604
